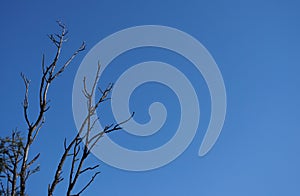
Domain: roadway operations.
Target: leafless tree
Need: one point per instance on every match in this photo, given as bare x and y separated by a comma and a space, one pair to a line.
14, 150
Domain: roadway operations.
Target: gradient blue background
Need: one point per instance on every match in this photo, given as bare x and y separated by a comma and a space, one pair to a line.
256, 45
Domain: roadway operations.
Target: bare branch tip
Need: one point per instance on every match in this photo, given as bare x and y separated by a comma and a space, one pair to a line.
82, 47
61, 24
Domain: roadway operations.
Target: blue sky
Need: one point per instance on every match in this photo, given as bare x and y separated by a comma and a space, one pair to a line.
256, 45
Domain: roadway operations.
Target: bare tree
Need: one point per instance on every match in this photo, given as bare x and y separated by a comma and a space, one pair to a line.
15, 165
21, 164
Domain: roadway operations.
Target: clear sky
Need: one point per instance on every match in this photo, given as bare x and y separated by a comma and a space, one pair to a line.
256, 45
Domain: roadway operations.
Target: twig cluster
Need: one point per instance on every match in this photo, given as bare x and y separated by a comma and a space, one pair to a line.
11, 152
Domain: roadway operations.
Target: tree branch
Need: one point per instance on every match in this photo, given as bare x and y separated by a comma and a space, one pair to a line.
48, 76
